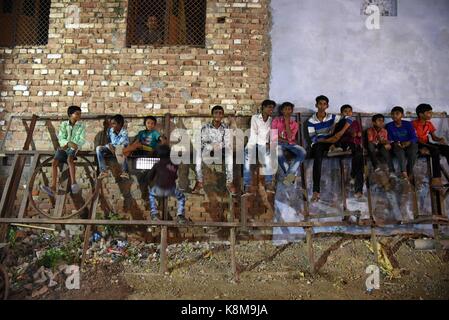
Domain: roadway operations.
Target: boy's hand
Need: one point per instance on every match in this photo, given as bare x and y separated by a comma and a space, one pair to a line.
388, 147
111, 147
406, 144
424, 151
442, 140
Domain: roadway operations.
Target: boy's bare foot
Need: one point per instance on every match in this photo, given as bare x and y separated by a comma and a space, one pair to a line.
247, 190
315, 197
102, 175
197, 188
404, 175
231, 188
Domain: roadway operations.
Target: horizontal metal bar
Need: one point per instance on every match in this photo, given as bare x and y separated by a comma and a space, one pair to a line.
205, 115
430, 220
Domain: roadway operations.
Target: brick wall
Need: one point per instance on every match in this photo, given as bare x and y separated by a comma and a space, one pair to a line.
92, 67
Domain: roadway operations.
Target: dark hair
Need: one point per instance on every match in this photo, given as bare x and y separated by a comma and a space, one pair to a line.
319, 98
267, 103
397, 109
285, 105
344, 107
423, 107
72, 109
377, 116
163, 151
149, 118
119, 119
216, 108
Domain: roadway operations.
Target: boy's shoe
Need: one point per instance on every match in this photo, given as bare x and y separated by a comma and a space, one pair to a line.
378, 169
197, 188
352, 181
393, 175
124, 175
289, 179
75, 188
335, 150
102, 175
181, 219
48, 191
154, 217
231, 188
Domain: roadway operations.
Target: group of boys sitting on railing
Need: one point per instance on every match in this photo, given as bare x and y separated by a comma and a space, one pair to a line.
328, 133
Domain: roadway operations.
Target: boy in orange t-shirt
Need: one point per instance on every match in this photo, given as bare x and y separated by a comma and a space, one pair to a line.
424, 128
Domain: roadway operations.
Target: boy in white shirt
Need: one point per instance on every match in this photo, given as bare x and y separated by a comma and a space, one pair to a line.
259, 143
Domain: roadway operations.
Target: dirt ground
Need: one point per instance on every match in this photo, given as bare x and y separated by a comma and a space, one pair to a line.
202, 271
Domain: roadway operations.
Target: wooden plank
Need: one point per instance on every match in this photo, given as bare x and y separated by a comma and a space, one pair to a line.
7, 190
24, 202
88, 229
53, 135
310, 253
27, 129
163, 251
232, 240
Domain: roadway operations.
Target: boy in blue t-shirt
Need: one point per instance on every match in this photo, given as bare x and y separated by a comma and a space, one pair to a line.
146, 140
404, 141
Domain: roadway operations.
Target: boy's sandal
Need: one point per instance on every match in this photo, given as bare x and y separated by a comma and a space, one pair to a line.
315, 197
124, 175
48, 191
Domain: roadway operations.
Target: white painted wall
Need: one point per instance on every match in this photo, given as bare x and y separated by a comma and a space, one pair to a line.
323, 47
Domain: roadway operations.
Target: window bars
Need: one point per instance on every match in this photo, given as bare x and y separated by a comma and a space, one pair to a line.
24, 22
166, 23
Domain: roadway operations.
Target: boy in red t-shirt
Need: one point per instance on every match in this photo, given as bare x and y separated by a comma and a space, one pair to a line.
424, 128
378, 143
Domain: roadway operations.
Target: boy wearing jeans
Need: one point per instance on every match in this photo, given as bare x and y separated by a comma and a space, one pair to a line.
164, 174
118, 140
216, 138
259, 143
402, 136
287, 130
424, 128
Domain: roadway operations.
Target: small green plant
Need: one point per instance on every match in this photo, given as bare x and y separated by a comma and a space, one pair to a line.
52, 257
111, 230
11, 236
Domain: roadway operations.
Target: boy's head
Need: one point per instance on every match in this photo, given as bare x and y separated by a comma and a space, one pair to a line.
286, 109
424, 111
268, 107
322, 103
163, 151
378, 121
397, 113
117, 122
217, 113
149, 122
346, 110
74, 113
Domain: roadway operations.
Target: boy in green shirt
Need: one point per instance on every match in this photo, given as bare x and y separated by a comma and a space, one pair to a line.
71, 137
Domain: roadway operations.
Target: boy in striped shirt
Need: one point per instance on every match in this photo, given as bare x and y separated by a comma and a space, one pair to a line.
320, 129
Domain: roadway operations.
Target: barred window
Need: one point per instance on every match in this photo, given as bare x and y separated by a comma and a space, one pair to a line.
166, 22
24, 22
